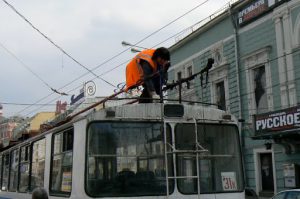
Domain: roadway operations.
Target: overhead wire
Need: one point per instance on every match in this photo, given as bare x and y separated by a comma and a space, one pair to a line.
56, 45
30, 70
194, 87
167, 39
157, 44
113, 57
205, 88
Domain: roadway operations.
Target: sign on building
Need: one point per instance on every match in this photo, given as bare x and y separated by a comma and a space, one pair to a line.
283, 120
256, 9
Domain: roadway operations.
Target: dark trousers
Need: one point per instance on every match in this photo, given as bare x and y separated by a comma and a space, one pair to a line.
145, 97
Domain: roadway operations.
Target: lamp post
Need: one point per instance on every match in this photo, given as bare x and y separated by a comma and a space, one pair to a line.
134, 50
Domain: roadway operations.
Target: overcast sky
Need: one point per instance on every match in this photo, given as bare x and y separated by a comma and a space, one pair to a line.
91, 31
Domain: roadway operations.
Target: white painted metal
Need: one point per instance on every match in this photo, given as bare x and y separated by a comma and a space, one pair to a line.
139, 112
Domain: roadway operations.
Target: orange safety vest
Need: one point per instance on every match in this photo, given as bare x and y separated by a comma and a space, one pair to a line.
134, 71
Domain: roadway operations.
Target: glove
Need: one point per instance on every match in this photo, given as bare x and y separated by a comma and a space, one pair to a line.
156, 97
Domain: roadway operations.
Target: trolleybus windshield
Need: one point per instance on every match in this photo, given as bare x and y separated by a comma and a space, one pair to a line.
219, 165
126, 159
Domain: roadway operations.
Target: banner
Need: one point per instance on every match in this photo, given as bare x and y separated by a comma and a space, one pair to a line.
287, 119
256, 9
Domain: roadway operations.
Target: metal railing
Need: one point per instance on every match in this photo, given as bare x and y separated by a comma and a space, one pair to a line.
204, 21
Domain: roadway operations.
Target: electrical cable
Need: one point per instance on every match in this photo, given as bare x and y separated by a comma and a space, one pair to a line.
198, 86
206, 89
56, 45
165, 40
30, 70
108, 60
270, 60
263, 63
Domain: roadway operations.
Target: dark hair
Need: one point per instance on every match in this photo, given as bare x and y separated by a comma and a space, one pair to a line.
39, 193
162, 53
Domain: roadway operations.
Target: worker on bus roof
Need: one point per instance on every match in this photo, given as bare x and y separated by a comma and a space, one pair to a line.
149, 69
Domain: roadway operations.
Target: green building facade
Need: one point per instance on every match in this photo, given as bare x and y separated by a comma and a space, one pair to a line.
256, 77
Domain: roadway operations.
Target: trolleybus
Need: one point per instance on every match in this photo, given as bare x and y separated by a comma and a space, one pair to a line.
131, 151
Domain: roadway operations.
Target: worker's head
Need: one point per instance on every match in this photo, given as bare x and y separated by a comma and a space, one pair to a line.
161, 56
39, 193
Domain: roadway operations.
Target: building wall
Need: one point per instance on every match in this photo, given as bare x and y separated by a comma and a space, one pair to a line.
253, 37
40, 118
195, 50
271, 40
252, 40
295, 18
209, 36
6, 129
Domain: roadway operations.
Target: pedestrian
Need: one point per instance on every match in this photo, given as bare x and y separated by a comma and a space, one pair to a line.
39, 193
149, 69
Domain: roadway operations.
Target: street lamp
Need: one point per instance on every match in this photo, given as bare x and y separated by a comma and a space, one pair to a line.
135, 50
125, 43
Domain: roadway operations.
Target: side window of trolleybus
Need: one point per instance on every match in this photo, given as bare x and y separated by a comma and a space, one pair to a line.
220, 168
5, 171
61, 163
24, 168
38, 164
14, 165
126, 159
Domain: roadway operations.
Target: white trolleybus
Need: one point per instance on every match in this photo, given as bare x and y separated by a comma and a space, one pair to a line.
131, 151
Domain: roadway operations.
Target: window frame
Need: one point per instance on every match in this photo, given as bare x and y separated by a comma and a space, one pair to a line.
17, 149
215, 90
253, 61
30, 189
60, 193
29, 167
217, 75
1, 166
189, 70
3, 155
187, 94
179, 75
241, 161
127, 121
252, 87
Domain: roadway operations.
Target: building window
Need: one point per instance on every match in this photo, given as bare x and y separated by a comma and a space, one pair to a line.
219, 87
62, 161
179, 75
220, 95
189, 71
38, 164
182, 71
14, 165
24, 169
259, 82
260, 93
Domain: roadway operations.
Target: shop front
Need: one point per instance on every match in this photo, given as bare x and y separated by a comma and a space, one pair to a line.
277, 164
